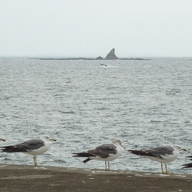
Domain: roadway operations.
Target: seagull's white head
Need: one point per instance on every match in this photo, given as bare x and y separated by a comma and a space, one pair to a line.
118, 142
47, 138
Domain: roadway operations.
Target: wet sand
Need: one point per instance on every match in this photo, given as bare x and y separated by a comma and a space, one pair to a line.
22, 178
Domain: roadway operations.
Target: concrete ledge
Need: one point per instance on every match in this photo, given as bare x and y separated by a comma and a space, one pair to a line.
23, 178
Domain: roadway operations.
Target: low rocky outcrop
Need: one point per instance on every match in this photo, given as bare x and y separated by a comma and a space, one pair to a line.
99, 58
111, 55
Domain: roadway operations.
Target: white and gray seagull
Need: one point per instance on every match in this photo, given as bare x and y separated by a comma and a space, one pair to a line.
105, 152
164, 154
33, 147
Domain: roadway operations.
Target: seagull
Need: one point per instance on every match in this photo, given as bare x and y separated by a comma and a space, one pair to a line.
33, 147
105, 152
164, 154
2, 139
189, 165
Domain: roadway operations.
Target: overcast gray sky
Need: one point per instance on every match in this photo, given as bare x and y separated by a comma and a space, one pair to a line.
70, 28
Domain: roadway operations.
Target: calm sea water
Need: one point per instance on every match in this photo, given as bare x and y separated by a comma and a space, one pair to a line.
82, 105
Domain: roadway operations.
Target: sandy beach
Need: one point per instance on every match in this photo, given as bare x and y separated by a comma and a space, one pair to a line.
23, 178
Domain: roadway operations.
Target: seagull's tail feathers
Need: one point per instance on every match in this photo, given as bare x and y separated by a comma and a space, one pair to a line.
187, 165
12, 149
86, 160
142, 153
138, 152
83, 154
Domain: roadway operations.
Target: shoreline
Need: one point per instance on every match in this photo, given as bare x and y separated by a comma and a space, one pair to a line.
87, 58
21, 178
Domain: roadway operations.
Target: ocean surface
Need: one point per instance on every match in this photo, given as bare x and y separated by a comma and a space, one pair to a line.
82, 105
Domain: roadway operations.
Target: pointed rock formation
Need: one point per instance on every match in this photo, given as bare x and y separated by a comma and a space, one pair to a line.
111, 55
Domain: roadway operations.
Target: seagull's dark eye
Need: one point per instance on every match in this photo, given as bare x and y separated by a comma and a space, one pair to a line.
46, 137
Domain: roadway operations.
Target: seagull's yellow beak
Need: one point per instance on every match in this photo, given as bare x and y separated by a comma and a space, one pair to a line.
53, 139
2, 139
184, 149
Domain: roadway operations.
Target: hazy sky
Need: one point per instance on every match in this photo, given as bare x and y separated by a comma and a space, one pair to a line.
67, 28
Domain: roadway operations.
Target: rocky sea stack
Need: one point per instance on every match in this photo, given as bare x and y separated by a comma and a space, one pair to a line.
111, 55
